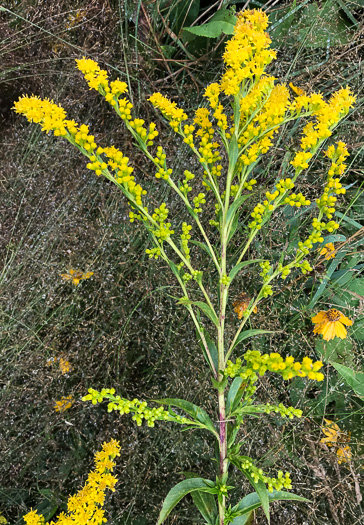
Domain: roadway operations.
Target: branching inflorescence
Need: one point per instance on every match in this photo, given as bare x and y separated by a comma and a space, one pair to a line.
247, 109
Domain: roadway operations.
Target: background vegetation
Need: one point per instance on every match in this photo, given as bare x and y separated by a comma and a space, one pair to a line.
121, 328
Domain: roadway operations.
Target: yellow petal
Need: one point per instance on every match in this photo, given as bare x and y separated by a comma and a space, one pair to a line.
328, 332
346, 320
340, 330
319, 317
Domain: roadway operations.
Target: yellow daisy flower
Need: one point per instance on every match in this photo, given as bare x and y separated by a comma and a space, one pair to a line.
331, 324
76, 276
335, 437
329, 251
344, 454
241, 304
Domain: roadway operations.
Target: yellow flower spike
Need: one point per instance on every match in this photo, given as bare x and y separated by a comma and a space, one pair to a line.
85, 507
247, 53
169, 109
329, 251
330, 324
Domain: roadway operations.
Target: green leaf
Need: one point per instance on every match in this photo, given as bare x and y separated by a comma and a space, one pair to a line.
205, 502
233, 226
235, 205
252, 502
261, 491
174, 268
251, 333
222, 22
234, 394
353, 378
196, 412
233, 152
203, 247
241, 265
204, 307
179, 491
168, 51
208, 311
349, 220
212, 348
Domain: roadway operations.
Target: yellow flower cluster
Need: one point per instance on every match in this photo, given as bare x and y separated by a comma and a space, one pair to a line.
185, 184
169, 109
297, 200
160, 160
274, 362
326, 202
53, 117
282, 480
138, 408
64, 403
254, 100
212, 94
160, 215
327, 117
247, 53
261, 210
146, 136
44, 112
316, 235
207, 148
85, 507
185, 237
265, 124
98, 79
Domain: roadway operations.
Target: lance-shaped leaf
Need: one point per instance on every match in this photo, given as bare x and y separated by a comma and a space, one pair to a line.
204, 501
251, 502
234, 395
352, 378
203, 306
251, 333
208, 311
233, 226
196, 412
259, 486
211, 346
241, 265
203, 247
179, 491
235, 205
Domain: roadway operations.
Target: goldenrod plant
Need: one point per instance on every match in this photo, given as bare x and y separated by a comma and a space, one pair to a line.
247, 109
